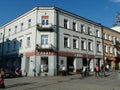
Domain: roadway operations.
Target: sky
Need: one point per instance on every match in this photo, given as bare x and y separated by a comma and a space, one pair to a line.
100, 11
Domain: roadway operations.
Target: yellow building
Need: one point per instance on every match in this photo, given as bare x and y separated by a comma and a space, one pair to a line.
111, 39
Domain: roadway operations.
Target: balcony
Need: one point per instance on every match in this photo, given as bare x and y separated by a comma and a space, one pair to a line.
48, 27
45, 48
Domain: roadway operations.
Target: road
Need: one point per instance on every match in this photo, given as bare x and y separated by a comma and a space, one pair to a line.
73, 82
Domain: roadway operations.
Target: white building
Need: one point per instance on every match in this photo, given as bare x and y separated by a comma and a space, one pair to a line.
46, 38
116, 28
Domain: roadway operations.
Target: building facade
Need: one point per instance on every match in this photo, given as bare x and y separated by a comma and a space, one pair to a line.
111, 39
45, 38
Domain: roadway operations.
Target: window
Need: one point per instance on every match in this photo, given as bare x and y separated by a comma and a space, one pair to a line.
65, 23
28, 41
1, 35
66, 42
89, 31
110, 37
14, 45
74, 26
29, 23
20, 45
105, 36
90, 47
82, 28
98, 47
8, 47
75, 45
15, 29
83, 45
105, 48
45, 20
97, 33
111, 49
9, 32
44, 39
21, 26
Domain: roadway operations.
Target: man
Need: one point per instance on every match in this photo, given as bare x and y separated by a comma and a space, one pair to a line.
63, 70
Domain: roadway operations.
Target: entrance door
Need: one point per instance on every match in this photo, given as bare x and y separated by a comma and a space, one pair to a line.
27, 64
70, 65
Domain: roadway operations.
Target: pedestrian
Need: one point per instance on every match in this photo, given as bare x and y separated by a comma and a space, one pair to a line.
107, 67
63, 70
2, 75
97, 71
83, 71
102, 69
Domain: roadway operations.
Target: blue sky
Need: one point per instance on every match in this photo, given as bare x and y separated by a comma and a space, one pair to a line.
100, 11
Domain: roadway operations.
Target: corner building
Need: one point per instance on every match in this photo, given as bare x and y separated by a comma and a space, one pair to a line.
44, 39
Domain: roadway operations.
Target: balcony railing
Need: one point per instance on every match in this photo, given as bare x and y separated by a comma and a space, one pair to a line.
43, 48
48, 27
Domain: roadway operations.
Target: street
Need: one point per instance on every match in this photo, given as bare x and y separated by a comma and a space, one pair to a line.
73, 82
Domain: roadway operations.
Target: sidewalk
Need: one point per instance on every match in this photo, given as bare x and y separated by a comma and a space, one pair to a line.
73, 82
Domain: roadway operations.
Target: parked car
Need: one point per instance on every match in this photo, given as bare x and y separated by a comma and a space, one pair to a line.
10, 74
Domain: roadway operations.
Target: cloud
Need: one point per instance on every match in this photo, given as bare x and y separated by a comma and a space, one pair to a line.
115, 0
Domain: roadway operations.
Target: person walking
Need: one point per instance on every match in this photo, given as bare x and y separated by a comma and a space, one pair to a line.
83, 71
97, 71
102, 69
2, 73
63, 70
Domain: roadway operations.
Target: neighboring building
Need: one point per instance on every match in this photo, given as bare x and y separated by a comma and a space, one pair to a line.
116, 28
45, 38
111, 39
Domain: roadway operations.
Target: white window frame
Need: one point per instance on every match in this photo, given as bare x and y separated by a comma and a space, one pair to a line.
66, 44
74, 26
44, 39
91, 46
29, 23
21, 43
75, 43
28, 41
84, 45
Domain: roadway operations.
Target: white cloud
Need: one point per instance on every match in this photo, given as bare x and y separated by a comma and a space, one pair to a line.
115, 0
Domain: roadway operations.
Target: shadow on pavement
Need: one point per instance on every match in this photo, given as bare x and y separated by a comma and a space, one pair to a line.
18, 84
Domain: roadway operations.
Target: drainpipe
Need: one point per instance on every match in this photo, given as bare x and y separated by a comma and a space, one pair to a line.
36, 41
104, 58
57, 40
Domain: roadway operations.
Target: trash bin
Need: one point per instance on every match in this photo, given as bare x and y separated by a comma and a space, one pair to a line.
118, 75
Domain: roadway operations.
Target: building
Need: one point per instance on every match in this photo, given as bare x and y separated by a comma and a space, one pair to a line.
111, 39
44, 39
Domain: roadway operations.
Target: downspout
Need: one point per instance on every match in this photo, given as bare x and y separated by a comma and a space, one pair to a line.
36, 41
103, 46
57, 40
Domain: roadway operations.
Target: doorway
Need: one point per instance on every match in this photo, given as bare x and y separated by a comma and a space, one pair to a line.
70, 65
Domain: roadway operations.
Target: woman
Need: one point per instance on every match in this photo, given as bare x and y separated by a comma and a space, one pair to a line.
2, 73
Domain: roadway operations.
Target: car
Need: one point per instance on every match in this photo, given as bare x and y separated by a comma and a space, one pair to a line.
10, 74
